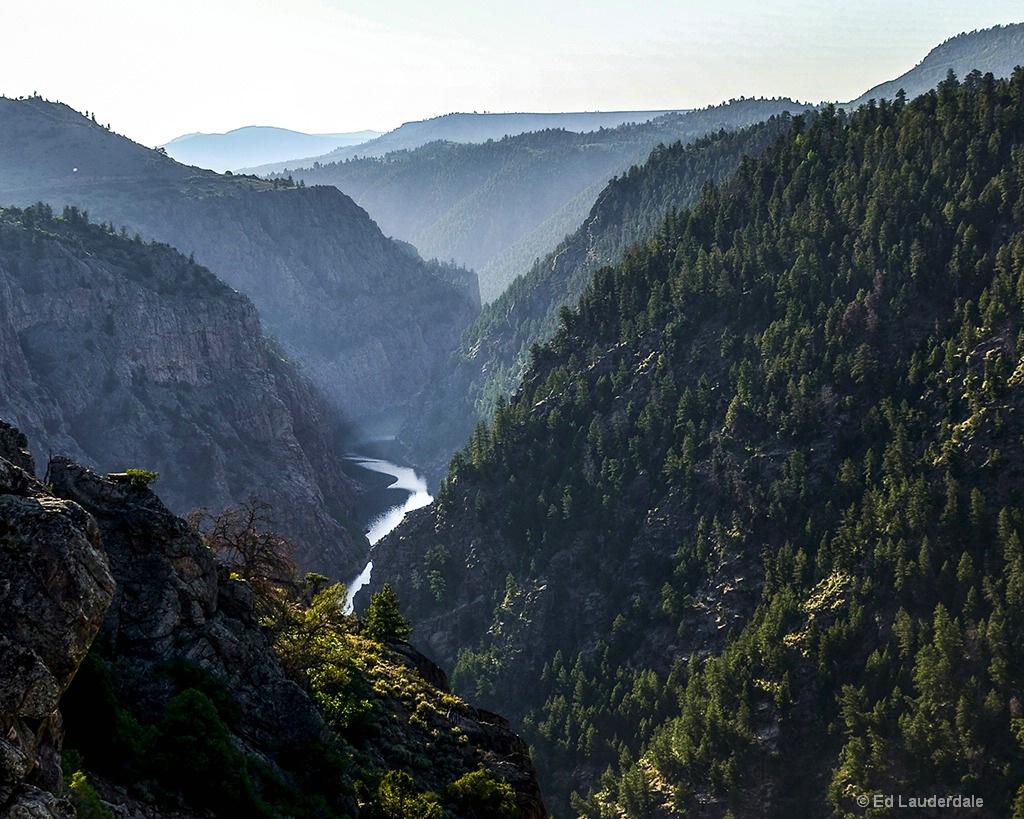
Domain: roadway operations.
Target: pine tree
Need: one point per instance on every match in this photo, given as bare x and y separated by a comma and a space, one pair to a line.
384, 621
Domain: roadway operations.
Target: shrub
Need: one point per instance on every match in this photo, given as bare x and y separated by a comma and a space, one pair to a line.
194, 751
477, 795
86, 801
141, 478
398, 798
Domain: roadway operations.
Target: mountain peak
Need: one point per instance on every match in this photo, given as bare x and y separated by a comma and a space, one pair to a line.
997, 50
253, 145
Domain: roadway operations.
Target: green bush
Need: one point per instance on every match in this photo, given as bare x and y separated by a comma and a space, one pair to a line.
478, 796
398, 798
86, 801
194, 750
184, 674
141, 478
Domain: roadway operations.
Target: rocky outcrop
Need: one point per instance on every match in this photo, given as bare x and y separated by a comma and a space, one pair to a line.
491, 740
129, 571
510, 759
91, 557
55, 590
122, 354
170, 602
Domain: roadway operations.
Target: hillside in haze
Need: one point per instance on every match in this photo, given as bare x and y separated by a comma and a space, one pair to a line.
495, 207
366, 316
747, 541
996, 50
495, 350
123, 354
466, 128
256, 145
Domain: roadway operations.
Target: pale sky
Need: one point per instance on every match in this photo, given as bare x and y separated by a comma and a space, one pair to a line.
156, 69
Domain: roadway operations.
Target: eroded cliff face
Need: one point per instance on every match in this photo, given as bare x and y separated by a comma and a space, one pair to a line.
97, 565
55, 590
123, 354
368, 319
171, 602
90, 556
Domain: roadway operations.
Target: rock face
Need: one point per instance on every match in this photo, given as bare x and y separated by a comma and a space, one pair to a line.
55, 590
171, 603
59, 563
367, 318
92, 557
494, 734
123, 354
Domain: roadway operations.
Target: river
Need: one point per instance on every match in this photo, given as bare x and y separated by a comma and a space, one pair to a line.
384, 504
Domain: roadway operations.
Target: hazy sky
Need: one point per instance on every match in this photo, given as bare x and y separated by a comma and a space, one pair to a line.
156, 69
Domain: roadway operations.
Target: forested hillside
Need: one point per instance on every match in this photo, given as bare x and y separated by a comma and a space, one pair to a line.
494, 351
496, 206
997, 50
748, 538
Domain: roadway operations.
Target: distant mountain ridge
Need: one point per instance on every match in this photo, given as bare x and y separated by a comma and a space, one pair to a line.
997, 50
497, 206
495, 350
470, 128
256, 145
322, 275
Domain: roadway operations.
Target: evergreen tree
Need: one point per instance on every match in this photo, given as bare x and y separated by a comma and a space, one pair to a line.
384, 621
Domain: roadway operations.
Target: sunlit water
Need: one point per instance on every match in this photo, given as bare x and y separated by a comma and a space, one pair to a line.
417, 496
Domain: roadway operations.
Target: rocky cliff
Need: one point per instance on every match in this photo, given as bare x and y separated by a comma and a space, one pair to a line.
183, 706
124, 354
367, 318
55, 592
